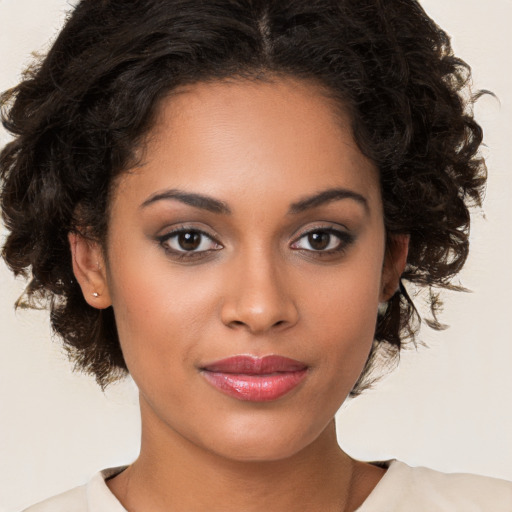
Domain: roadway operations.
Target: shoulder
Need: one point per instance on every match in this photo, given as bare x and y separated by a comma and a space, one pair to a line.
404, 488
74, 500
92, 497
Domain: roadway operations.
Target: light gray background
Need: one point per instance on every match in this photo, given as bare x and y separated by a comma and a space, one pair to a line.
447, 407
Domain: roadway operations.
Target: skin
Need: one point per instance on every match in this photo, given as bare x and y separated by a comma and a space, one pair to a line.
255, 285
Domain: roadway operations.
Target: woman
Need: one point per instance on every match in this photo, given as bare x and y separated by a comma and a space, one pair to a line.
223, 198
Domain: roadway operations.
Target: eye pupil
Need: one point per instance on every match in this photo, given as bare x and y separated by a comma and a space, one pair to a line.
319, 240
189, 240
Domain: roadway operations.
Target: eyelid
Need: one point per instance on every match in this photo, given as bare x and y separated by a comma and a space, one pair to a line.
328, 227
345, 237
176, 231
343, 234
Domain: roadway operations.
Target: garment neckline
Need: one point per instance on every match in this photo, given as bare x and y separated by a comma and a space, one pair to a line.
99, 494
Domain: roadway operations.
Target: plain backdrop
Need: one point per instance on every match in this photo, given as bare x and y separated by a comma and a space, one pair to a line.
447, 406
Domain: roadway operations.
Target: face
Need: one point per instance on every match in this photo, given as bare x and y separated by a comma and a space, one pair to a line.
246, 261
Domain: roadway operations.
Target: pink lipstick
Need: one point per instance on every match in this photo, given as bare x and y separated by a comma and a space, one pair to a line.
255, 379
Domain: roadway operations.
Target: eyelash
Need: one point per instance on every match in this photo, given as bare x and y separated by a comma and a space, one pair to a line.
345, 240
186, 255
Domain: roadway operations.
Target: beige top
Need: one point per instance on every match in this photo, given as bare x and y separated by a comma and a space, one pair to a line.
402, 489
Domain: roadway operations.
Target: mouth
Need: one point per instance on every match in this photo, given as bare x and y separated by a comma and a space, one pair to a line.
255, 379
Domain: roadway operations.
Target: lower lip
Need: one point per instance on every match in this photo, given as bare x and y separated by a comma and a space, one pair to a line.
255, 388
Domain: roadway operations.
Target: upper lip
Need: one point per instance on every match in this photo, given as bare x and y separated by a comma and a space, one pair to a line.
252, 365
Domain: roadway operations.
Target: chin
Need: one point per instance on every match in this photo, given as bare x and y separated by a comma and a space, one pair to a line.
263, 442
259, 452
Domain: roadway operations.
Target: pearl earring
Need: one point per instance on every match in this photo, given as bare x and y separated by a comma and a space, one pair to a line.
95, 294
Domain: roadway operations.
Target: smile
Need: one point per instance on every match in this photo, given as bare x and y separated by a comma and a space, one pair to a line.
254, 379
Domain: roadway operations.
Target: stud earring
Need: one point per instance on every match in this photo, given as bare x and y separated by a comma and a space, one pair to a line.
95, 294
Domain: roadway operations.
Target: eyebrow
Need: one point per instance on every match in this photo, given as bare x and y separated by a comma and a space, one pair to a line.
193, 199
327, 196
215, 206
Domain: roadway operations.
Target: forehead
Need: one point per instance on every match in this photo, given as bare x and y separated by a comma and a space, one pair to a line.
236, 138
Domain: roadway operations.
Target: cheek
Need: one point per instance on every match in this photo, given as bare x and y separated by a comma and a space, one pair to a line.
160, 315
342, 311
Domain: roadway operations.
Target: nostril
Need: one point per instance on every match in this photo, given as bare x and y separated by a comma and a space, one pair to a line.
236, 323
239, 323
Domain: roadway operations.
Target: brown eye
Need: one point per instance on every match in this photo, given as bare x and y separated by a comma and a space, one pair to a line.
320, 240
324, 241
189, 241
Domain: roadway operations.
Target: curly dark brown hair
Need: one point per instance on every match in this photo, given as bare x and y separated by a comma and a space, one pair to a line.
80, 113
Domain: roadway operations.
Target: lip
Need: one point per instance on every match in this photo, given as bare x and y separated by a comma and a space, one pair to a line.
255, 379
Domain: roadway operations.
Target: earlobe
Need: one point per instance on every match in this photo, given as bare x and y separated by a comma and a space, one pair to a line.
395, 260
89, 270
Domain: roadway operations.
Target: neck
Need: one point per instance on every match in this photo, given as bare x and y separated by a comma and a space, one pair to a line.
172, 473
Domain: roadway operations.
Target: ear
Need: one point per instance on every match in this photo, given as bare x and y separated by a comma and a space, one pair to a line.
89, 270
395, 259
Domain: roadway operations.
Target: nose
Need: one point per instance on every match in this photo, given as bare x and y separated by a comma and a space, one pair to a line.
258, 297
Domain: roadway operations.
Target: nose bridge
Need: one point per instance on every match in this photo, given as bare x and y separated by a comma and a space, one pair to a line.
258, 297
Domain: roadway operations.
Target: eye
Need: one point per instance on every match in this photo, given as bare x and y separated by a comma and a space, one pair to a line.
326, 240
187, 241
